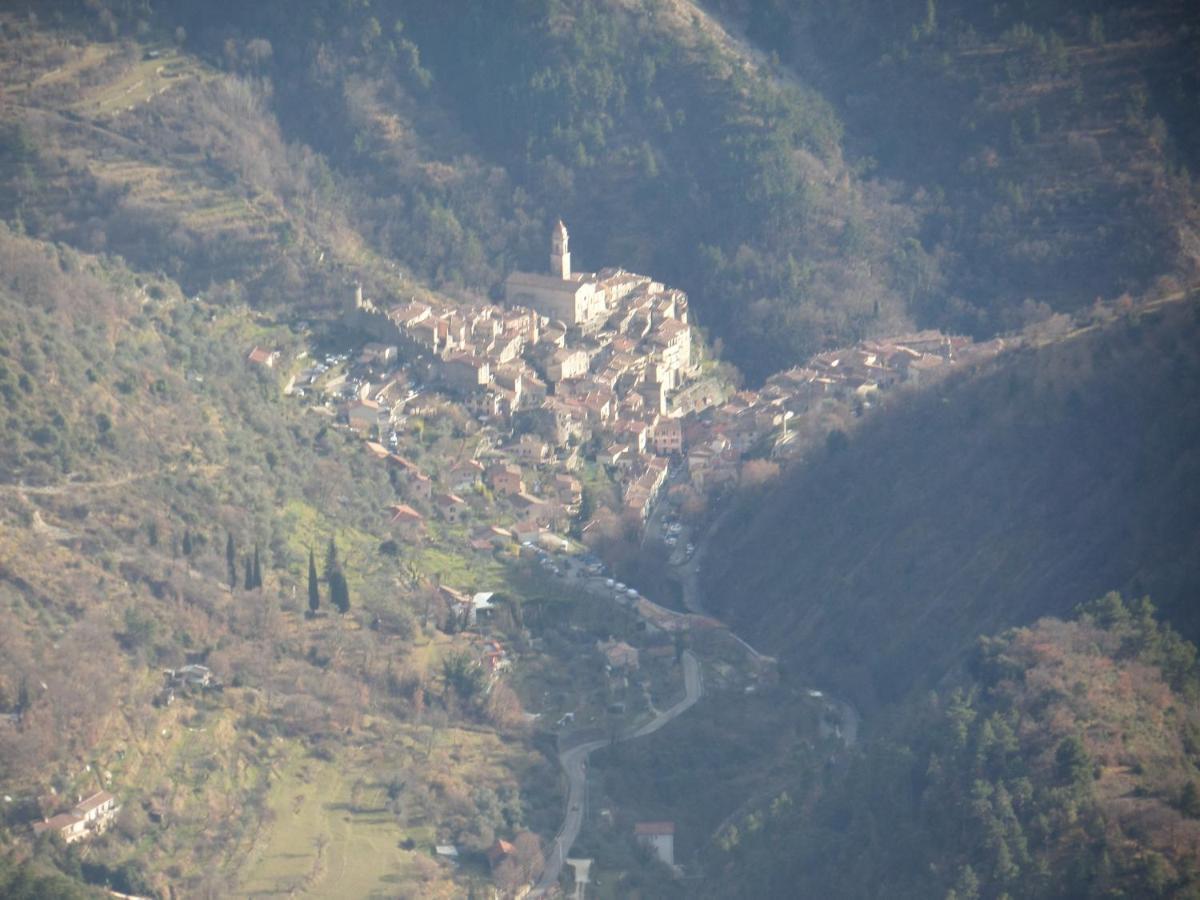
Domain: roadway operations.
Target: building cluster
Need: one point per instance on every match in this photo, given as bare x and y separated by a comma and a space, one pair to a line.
578, 365
571, 358
89, 817
715, 439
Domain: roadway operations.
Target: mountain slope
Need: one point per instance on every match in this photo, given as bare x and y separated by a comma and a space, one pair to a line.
1050, 477
1064, 765
1052, 145
149, 469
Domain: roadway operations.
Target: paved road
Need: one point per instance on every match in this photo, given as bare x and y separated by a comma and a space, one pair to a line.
688, 573
574, 764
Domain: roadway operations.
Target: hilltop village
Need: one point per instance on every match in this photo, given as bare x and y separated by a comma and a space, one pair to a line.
579, 401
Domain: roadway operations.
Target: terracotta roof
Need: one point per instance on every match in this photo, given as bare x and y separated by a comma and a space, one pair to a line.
406, 512
498, 851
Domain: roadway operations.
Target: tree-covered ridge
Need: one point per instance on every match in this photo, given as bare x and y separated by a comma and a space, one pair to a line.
666, 151
629, 118
1055, 143
967, 168
1067, 763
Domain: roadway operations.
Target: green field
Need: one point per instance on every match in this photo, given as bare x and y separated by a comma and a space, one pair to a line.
325, 842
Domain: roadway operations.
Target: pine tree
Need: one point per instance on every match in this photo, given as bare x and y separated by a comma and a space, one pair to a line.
258, 582
231, 561
314, 593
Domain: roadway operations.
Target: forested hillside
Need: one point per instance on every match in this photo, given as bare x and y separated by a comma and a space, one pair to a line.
1052, 146
835, 174
160, 502
1067, 764
187, 181
623, 120
1051, 476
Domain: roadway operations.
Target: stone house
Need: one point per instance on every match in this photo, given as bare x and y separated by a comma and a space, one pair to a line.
668, 437
465, 372
566, 365
531, 449
450, 506
506, 479
89, 817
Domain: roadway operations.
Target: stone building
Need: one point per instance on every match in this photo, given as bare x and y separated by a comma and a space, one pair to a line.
569, 297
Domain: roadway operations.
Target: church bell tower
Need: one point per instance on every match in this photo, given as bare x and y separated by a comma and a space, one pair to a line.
560, 255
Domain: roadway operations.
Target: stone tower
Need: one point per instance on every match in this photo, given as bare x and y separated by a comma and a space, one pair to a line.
560, 255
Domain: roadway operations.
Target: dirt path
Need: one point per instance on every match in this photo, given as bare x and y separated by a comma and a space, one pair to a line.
72, 486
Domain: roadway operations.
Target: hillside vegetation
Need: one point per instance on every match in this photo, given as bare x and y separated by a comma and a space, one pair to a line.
1051, 146
1051, 476
835, 174
184, 181
1066, 764
146, 464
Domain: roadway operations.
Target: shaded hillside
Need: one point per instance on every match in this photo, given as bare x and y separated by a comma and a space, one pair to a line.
116, 140
1055, 142
1066, 765
968, 169
1049, 477
459, 134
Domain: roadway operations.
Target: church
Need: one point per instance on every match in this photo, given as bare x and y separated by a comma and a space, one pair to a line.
573, 298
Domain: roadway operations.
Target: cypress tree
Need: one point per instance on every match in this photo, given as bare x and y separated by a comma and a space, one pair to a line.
314, 593
339, 591
258, 583
248, 582
187, 542
231, 561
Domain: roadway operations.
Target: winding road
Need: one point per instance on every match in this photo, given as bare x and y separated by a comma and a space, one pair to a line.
574, 763
573, 759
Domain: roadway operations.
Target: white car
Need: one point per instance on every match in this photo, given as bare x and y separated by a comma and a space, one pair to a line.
608, 582
620, 585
